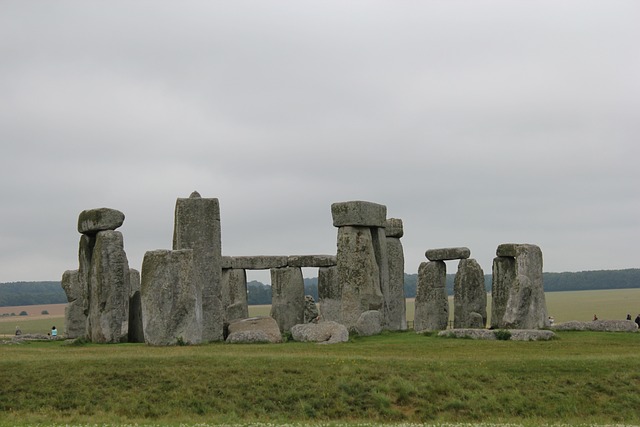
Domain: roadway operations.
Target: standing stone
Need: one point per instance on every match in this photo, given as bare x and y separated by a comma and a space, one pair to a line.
136, 332
234, 294
109, 289
526, 307
74, 313
396, 317
287, 297
470, 295
171, 303
432, 303
382, 259
197, 227
310, 310
329, 294
503, 275
358, 273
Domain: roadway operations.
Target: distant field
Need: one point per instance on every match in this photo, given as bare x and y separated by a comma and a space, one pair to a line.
563, 306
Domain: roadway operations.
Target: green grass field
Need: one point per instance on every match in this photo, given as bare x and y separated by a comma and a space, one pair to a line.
580, 378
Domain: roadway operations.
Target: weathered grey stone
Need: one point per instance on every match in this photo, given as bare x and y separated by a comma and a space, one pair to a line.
321, 332
508, 250
261, 262
226, 262
477, 321
598, 325
358, 274
136, 328
109, 290
234, 294
485, 334
393, 228
287, 297
526, 306
358, 214
431, 303
197, 227
171, 299
329, 294
254, 329
312, 261
396, 314
310, 310
470, 295
75, 318
369, 323
93, 220
503, 275
382, 259
447, 254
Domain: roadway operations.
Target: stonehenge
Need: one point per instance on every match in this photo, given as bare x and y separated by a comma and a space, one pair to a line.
193, 294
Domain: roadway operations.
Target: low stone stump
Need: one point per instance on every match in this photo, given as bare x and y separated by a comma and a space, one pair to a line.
597, 325
369, 323
322, 332
490, 334
261, 329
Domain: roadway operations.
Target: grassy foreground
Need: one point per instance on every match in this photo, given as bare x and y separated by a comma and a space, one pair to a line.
579, 378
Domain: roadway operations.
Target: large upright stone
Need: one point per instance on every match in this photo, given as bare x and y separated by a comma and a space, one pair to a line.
470, 296
503, 275
382, 260
358, 274
171, 302
93, 220
526, 307
109, 290
136, 328
234, 294
287, 297
197, 227
432, 303
396, 311
447, 254
359, 214
329, 294
74, 313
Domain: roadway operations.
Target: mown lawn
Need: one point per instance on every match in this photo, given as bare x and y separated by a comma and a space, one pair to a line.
579, 378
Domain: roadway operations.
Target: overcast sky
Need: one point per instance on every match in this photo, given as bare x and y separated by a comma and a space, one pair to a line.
475, 122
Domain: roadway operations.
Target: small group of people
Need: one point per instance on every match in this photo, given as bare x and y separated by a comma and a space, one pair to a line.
637, 319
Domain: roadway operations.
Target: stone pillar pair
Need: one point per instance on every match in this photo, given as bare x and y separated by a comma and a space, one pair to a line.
180, 288
364, 270
470, 296
103, 294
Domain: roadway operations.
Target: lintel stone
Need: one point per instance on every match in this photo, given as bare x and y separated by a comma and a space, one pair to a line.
393, 228
512, 249
358, 214
312, 261
101, 219
447, 254
260, 262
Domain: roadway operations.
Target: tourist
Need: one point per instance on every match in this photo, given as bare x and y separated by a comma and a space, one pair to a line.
18, 331
54, 332
628, 316
551, 320
595, 317
638, 320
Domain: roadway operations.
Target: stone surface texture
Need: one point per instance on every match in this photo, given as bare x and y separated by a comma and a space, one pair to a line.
312, 261
431, 303
396, 311
447, 254
321, 332
358, 274
197, 227
287, 297
369, 323
329, 294
75, 318
101, 219
486, 334
259, 262
262, 329
310, 309
109, 290
358, 214
234, 294
171, 300
503, 274
469, 295
393, 227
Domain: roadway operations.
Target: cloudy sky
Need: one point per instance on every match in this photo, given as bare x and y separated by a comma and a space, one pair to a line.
475, 122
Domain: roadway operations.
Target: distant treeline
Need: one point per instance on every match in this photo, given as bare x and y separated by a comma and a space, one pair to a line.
31, 293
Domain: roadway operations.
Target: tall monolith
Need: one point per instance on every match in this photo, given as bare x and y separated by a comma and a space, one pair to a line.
469, 296
431, 303
395, 307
